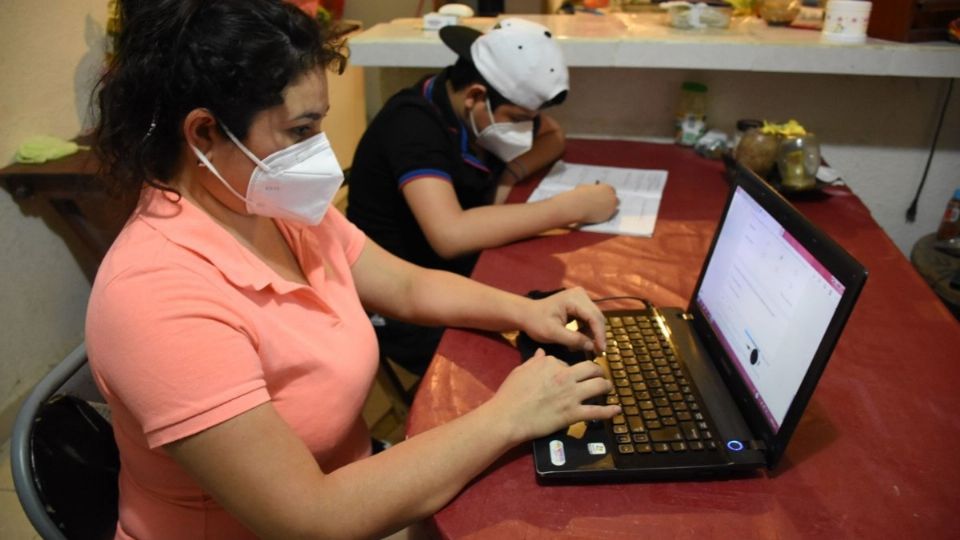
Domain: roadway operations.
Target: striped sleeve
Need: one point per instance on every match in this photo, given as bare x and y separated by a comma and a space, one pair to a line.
416, 174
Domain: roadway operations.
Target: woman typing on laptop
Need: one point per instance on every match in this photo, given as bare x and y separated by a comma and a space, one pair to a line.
226, 326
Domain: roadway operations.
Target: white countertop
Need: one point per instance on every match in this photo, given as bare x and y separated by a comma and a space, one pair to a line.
643, 40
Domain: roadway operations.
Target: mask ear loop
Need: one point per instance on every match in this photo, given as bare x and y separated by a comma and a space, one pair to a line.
206, 163
263, 166
473, 123
490, 112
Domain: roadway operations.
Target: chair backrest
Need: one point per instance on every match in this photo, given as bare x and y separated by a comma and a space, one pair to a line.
63, 456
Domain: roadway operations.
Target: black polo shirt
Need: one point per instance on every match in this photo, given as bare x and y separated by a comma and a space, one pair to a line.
416, 134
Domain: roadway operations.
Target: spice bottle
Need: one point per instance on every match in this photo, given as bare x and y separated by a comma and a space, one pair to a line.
950, 224
691, 121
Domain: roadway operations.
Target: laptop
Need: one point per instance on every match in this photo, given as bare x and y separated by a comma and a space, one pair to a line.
719, 387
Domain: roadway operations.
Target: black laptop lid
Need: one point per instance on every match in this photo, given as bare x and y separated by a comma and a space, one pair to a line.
770, 304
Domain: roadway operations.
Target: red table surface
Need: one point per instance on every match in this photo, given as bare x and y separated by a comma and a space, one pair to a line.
875, 455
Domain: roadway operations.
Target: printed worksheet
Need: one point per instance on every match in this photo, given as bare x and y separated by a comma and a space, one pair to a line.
639, 191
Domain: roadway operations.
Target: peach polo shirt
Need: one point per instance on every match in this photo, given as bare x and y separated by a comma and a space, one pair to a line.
186, 328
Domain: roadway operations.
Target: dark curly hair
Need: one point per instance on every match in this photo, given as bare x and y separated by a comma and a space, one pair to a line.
233, 57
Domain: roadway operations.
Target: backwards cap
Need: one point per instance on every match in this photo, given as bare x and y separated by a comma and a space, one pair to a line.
519, 58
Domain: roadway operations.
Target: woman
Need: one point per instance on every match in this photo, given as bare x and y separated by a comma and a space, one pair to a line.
226, 326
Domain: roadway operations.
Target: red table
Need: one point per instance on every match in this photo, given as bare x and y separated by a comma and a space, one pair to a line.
875, 455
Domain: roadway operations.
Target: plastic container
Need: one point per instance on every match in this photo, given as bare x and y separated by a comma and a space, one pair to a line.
691, 121
697, 15
950, 224
713, 144
845, 21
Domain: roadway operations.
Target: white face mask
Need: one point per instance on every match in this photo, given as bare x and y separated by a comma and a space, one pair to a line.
295, 183
506, 140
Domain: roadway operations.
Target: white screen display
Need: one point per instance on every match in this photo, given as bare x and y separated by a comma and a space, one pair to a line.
769, 301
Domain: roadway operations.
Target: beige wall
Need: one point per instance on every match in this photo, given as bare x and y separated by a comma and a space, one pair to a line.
347, 118
371, 12
49, 56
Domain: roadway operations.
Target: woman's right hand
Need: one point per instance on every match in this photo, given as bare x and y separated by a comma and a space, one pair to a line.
544, 394
591, 203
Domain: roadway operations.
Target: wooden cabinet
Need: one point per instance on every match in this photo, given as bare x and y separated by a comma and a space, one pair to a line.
912, 20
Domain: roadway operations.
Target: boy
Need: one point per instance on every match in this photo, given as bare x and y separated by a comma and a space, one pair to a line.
437, 161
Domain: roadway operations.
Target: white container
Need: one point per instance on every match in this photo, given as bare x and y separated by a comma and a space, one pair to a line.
846, 21
434, 21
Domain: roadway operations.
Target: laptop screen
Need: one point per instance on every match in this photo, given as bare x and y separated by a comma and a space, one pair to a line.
768, 301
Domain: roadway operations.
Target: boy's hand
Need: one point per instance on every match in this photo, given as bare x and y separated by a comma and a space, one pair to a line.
592, 203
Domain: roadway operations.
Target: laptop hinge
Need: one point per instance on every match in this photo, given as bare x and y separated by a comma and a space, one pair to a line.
757, 445
686, 316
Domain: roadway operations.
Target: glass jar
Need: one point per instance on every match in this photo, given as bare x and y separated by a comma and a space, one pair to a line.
779, 12
798, 159
757, 151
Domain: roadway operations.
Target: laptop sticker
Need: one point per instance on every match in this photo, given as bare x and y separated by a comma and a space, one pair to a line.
577, 430
557, 456
596, 448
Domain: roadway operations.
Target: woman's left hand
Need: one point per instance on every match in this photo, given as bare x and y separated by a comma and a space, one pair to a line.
550, 315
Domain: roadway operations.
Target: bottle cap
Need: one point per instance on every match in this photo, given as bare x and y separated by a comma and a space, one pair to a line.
691, 86
956, 194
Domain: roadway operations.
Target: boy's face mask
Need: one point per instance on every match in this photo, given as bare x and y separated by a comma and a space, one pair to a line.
506, 140
296, 183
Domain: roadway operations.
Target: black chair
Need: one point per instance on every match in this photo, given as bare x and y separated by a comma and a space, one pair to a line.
64, 459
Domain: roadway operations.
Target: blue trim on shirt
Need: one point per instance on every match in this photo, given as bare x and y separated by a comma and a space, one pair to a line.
428, 88
421, 173
469, 158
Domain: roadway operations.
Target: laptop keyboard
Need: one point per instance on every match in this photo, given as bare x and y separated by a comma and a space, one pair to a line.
661, 411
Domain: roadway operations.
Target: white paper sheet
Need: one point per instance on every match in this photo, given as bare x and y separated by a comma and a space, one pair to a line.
639, 191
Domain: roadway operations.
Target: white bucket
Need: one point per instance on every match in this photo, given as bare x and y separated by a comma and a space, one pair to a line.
846, 21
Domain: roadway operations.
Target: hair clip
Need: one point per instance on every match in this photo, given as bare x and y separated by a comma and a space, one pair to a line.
153, 126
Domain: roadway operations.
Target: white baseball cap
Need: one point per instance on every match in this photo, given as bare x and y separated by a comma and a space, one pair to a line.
519, 58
